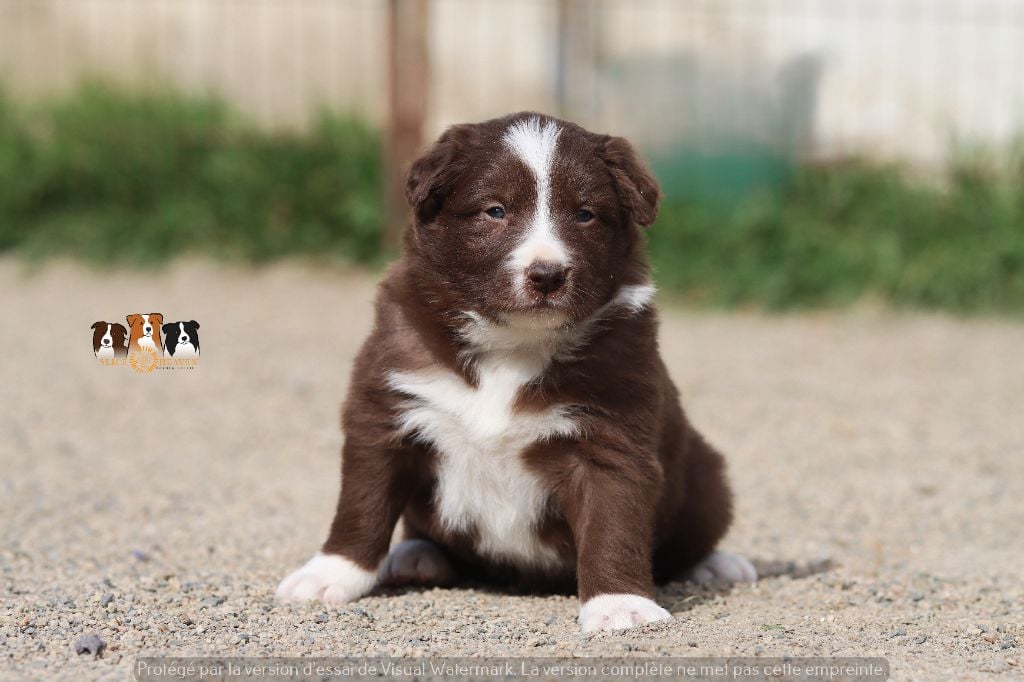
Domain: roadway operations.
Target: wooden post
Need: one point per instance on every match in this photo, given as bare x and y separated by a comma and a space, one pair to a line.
408, 74
576, 60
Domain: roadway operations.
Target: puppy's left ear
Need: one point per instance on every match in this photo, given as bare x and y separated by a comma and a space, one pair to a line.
159, 318
194, 324
433, 176
638, 190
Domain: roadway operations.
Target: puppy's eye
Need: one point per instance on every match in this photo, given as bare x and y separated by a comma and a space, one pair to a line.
584, 216
496, 212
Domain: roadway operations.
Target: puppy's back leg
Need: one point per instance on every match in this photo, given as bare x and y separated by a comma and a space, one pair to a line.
700, 522
722, 566
417, 562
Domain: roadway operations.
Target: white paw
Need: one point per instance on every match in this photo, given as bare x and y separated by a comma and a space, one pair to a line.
619, 611
416, 562
331, 578
723, 567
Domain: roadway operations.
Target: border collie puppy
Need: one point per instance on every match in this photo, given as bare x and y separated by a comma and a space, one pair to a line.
510, 404
145, 331
181, 339
109, 339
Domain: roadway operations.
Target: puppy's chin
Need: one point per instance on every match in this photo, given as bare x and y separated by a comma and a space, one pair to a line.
537, 318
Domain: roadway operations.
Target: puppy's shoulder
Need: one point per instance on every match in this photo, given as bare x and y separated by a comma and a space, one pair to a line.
405, 336
399, 327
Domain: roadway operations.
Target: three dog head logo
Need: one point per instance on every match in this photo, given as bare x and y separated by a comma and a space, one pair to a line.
145, 332
148, 343
109, 339
181, 339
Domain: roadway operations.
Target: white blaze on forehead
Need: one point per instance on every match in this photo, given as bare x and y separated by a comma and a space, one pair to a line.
107, 335
534, 143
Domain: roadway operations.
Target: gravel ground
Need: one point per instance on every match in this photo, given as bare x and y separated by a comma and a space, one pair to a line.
878, 461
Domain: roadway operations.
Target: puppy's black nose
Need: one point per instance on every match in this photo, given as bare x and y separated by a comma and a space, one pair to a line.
546, 277
147, 329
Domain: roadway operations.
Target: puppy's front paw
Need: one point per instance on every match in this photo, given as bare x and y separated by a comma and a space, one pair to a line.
618, 612
331, 578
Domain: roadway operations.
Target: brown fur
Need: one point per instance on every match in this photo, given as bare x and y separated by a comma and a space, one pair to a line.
640, 496
136, 322
118, 335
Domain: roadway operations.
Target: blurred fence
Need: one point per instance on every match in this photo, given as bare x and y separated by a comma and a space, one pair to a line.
821, 78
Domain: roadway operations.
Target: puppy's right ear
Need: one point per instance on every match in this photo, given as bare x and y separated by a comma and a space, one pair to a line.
133, 320
96, 324
637, 187
432, 176
167, 328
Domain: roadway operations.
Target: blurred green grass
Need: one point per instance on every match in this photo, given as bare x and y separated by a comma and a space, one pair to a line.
833, 235
110, 175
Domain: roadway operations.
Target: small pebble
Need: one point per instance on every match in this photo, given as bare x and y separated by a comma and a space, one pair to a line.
89, 644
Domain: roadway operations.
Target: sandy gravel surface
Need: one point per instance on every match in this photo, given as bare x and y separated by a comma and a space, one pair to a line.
159, 511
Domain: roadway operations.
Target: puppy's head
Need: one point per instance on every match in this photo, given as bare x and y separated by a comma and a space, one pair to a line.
108, 335
529, 220
182, 333
146, 326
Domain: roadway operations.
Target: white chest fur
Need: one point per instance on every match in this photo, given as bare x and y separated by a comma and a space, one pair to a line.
184, 350
482, 483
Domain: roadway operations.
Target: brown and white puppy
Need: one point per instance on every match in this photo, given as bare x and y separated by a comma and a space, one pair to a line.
109, 339
510, 404
145, 331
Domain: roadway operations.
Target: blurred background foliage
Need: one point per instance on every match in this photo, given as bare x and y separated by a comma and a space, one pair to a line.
137, 177
107, 174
